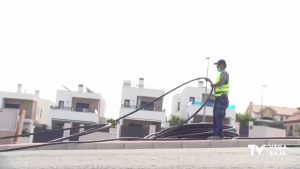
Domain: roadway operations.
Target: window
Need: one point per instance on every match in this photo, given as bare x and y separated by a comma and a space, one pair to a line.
178, 106
148, 107
61, 104
82, 107
14, 106
126, 103
192, 99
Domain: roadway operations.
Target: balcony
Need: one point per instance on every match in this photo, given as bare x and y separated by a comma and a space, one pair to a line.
148, 115
69, 114
136, 107
84, 110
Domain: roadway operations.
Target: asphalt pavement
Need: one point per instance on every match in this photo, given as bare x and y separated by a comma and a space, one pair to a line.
215, 158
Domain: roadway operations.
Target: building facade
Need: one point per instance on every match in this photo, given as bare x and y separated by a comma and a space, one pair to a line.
269, 120
75, 109
292, 124
270, 112
186, 103
36, 109
149, 120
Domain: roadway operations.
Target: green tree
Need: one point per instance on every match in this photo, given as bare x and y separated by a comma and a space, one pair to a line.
112, 122
244, 117
175, 120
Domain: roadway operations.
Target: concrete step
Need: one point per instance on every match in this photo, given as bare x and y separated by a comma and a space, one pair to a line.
160, 144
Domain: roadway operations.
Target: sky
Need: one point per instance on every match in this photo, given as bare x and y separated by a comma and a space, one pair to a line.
47, 44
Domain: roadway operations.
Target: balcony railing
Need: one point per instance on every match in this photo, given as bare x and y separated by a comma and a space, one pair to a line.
85, 110
136, 107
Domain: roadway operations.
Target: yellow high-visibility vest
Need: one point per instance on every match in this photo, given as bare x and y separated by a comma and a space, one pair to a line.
219, 91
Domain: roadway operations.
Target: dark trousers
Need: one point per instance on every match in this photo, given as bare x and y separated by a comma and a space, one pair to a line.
219, 112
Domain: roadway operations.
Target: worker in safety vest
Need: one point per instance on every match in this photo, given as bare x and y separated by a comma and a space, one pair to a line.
221, 88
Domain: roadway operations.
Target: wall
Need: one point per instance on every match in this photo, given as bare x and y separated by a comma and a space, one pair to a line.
145, 115
73, 116
42, 111
9, 119
65, 96
102, 108
8, 124
263, 131
131, 93
99, 135
184, 99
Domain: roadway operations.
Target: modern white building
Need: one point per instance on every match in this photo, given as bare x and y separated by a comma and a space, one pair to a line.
77, 108
149, 120
186, 103
36, 109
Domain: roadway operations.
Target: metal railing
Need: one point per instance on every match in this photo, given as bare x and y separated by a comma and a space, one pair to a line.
84, 110
135, 107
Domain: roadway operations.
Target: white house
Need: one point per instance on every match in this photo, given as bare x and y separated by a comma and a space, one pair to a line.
149, 120
77, 108
36, 109
187, 102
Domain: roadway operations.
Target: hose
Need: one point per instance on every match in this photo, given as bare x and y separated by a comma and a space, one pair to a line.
146, 105
164, 134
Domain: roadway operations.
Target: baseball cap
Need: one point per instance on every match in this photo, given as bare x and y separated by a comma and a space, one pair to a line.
221, 61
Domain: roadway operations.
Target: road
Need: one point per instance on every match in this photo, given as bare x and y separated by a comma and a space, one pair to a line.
215, 158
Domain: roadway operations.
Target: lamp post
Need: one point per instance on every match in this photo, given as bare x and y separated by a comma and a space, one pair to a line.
262, 97
204, 111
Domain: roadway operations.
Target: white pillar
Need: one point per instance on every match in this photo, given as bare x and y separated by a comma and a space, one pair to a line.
118, 132
67, 132
81, 129
237, 127
152, 129
31, 130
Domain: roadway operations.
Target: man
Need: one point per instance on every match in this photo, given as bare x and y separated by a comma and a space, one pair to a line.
221, 88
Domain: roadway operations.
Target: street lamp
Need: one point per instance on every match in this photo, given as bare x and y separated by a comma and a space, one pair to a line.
262, 97
204, 111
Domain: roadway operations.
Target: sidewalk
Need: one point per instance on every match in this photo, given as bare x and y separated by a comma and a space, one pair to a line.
187, 158
162, 144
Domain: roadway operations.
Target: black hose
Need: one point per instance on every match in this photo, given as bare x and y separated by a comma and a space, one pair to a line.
150, 103
57, 141
49, 131
158, 135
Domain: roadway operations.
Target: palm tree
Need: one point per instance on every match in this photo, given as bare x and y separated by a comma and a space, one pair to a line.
112, 122
175, 120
